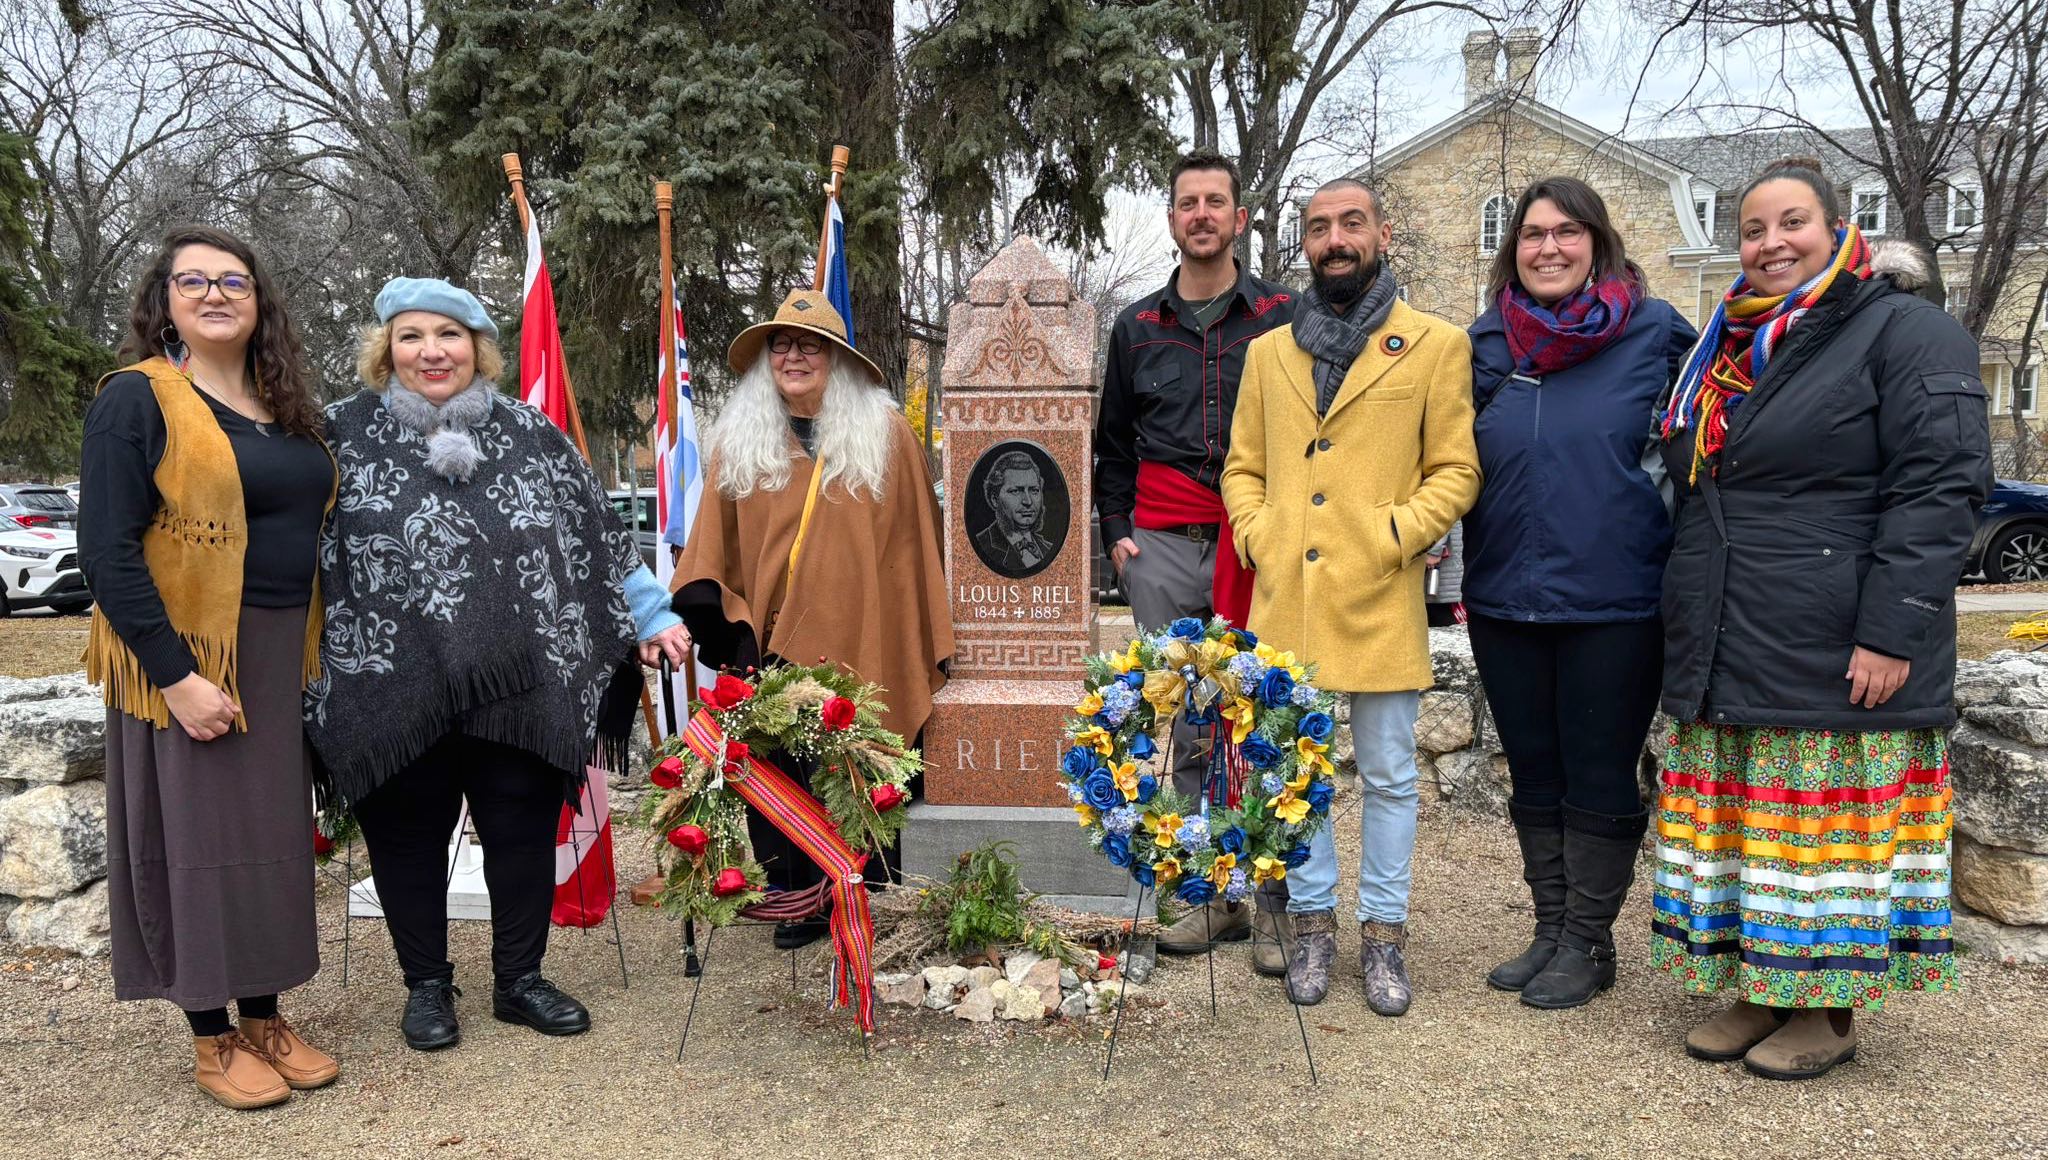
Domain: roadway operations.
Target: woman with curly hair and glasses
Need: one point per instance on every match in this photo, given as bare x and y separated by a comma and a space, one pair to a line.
204, 482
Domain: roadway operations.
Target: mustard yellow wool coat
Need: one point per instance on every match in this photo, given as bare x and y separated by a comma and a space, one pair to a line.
1336, 511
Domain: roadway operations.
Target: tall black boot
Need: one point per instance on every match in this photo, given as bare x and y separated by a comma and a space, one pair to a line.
1599, 864
1540, 830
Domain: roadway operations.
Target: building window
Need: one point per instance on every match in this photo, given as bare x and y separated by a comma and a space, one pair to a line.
2023, 390
1866, 208
1703, 210
1493, 221
1958, 299
1963, 212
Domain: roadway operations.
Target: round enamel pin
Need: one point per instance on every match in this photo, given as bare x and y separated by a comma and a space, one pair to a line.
1393, 344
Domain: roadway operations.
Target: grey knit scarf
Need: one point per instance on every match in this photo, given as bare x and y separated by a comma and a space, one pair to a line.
447, 426
1335, 340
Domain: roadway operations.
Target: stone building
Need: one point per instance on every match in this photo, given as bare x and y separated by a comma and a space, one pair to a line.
1450, 190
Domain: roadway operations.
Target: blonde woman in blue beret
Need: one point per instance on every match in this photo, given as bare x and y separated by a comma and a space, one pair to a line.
487, 613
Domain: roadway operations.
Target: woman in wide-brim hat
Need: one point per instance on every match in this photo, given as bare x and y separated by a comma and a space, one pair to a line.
818, 535
484, 603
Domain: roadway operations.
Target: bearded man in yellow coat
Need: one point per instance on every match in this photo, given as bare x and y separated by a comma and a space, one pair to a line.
1351, 455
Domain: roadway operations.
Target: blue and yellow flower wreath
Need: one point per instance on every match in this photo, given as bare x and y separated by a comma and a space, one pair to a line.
1269, 785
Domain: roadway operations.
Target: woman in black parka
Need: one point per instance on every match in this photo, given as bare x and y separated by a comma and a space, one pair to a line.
1830, 445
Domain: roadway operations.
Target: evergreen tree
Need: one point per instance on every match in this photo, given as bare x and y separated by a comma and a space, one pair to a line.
732, 102
47, 369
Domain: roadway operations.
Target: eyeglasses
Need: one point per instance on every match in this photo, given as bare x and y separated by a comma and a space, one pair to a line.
233, 287
1563, 233
781, 343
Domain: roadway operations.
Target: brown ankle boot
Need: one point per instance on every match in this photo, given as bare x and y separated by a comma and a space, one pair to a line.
1807, 1047
233, 1071
1733, 1032
297, 1062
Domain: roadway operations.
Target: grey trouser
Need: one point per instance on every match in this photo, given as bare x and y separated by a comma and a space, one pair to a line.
1171, 577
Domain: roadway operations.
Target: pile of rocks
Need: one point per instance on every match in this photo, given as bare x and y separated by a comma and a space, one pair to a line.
53, 813
1027, 988
1998, 764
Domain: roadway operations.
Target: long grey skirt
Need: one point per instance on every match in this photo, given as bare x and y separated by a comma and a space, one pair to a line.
210, 843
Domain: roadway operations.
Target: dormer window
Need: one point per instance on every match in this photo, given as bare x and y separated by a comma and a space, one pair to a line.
1867, 205
1963, 208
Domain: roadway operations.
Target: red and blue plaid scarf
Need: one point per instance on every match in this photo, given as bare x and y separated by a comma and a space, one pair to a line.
1546, 339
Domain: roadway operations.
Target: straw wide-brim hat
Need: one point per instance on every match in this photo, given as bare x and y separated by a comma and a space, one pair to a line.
802, 310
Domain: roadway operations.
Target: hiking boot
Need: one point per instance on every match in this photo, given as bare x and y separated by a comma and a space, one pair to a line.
235, 1073
1808, 1046
1272, 937
539, 1004
1200, 929
1380, 951
297, 1062
1540, 831
1315, 951
1599, 865
429, 1022
1733, 1032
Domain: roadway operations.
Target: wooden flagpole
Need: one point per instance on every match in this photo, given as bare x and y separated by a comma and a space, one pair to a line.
515, 174
840, 156
664, 207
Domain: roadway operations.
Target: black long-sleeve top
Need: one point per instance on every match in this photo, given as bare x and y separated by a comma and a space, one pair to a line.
286, 480
1170, 389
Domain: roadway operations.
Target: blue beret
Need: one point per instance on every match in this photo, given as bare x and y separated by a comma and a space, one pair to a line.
432, 294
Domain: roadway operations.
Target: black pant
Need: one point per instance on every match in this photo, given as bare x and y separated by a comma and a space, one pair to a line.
1573, 703
516, 799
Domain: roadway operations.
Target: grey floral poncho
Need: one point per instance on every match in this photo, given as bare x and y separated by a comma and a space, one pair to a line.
490, 606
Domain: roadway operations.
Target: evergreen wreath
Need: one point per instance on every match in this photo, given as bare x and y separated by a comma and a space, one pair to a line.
817, 714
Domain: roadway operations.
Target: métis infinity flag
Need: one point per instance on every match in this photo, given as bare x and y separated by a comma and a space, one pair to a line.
838, 287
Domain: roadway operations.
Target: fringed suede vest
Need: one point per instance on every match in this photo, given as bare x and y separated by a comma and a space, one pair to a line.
193, 549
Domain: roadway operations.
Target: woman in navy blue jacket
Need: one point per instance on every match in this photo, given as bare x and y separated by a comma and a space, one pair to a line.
1564, 563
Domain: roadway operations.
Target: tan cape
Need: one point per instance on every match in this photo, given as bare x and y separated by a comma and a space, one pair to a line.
870, 585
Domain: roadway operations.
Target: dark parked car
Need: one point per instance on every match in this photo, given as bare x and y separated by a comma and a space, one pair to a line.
37, 505
637, 509
2011, 543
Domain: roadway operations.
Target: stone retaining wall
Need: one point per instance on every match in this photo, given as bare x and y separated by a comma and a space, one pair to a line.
53, 813
53, 851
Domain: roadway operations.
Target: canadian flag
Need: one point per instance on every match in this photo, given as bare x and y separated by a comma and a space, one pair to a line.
584, 878
542, 382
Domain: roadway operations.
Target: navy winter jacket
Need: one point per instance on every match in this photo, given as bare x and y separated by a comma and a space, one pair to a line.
1571, 525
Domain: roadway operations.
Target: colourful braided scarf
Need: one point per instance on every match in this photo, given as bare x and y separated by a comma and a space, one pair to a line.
1737, 343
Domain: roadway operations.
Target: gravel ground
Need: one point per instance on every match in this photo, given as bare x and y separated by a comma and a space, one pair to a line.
773, 1071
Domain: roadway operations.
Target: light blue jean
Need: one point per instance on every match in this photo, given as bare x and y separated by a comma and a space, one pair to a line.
1383, 735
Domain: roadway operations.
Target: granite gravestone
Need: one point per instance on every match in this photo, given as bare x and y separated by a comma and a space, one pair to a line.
1019, 418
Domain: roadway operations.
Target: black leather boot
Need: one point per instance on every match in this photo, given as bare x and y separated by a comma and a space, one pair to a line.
1599, 864
429, 1022
791, 935
539, 1004
1540, 830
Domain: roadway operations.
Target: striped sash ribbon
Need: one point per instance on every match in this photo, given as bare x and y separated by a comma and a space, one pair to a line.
804, 821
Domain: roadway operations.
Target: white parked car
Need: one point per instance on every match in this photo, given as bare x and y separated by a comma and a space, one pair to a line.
39, 569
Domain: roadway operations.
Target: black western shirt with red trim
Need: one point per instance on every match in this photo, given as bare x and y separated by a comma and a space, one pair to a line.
1170, 389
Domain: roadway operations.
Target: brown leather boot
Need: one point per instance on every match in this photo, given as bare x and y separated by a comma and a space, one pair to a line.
297, 1062
1272, 939
1808, 1046
234, 1072
1733, 1032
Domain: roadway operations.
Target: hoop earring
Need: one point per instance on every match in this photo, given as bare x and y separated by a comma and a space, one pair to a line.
173, 349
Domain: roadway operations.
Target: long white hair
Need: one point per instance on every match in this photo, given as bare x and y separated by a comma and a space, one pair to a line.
750, 442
